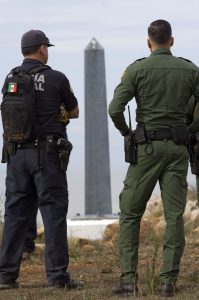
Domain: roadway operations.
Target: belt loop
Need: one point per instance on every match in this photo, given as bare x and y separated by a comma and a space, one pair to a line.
152, 135
37, 145
171, 131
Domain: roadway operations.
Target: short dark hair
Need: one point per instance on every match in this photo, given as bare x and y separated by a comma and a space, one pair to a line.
30, 50
160, 31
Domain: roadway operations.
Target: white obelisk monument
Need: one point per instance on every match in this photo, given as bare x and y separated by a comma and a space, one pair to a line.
97, 161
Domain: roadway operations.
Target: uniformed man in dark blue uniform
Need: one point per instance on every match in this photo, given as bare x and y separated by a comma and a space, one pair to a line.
35, 173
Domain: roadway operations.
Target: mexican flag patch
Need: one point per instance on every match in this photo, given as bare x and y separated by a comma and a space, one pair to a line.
12, 87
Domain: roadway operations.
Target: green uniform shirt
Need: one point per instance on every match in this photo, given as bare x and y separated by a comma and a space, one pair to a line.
162, 85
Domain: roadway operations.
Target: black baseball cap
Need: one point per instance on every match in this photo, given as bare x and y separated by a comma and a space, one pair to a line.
34, 38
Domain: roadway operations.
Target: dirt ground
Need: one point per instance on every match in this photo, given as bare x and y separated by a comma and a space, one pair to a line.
97, 265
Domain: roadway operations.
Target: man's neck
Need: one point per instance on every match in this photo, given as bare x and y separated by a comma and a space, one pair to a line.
160, 46
35, 57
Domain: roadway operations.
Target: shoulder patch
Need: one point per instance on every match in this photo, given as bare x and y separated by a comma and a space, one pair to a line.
185, 59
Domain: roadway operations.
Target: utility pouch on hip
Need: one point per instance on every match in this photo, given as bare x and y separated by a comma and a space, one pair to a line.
179, 133
5, 156
130, 148
50, 144
140, 134
64, 147
9, 149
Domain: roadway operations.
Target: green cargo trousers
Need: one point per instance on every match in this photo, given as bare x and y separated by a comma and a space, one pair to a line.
166, 162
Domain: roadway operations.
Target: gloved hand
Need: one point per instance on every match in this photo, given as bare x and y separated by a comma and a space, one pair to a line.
127, 132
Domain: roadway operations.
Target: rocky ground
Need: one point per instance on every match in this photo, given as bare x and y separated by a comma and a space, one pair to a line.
96, 262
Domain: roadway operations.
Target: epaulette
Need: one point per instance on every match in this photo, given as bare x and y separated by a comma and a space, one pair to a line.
139, 59
185, 59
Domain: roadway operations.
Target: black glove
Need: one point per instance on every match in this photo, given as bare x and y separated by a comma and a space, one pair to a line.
125, 133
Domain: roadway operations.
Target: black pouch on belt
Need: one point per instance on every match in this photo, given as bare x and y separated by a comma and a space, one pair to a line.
140, 134
64, 147
5, 156
179, 133
9, 149
50, 144
130, 148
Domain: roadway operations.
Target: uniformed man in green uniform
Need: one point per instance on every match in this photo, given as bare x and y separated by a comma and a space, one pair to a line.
193, 114
162, 85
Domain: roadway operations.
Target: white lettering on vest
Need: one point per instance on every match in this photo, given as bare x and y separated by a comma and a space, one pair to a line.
39, 82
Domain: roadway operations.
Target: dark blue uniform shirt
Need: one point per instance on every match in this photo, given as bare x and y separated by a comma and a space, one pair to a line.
52, 89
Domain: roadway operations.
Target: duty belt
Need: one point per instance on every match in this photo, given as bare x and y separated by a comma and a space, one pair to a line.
177, 133
38, 143
32, 145
159, 135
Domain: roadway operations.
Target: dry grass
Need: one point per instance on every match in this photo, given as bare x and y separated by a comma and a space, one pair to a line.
192, 195
97, 264
99, 270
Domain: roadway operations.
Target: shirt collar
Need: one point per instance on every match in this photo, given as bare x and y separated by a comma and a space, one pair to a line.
31, 60
161, 51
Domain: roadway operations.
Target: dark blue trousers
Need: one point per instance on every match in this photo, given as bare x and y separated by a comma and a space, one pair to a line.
25, 183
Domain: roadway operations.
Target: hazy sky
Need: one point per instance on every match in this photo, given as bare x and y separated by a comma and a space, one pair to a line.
121, 28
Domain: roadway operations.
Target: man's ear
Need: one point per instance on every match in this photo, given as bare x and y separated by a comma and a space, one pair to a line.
43, 49
149, 43
172, 41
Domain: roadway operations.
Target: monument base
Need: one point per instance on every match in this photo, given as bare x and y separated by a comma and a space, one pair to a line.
90, 227
95, 216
